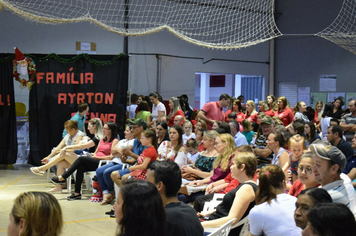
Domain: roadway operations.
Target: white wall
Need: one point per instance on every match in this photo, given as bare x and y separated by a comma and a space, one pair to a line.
304, 58
178, 74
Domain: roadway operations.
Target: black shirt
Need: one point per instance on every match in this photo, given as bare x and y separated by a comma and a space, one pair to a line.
182, 220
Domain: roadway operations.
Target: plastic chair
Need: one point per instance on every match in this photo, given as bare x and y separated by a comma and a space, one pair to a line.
211, 205
20, 109
224, 230
244, 231
89, 175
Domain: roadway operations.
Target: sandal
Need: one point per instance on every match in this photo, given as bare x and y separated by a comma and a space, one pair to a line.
36, 171
108, 201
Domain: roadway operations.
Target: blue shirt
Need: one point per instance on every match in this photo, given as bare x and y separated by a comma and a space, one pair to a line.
137, 147
80, 120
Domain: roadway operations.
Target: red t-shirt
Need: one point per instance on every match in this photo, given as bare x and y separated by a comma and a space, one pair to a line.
151, 153
252, 117
213, 111
269, 112
286, 116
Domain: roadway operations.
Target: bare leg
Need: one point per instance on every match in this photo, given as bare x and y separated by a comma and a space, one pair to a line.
62, 166
115, 176
69, 157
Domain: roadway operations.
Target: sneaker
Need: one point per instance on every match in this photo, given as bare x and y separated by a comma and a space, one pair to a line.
110, 212
56, 181
74, 197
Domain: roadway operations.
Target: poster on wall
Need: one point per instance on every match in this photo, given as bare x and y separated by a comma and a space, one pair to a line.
304, 95
314, 97
327, 83
349, 97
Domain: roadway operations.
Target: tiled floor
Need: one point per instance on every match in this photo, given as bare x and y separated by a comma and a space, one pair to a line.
81, 217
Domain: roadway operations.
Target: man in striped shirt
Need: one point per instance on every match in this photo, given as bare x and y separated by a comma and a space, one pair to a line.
329, 162
348, 122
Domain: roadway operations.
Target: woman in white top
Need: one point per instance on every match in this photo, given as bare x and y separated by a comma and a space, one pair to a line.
174, 149
103, 173
325, 120
158, 108
274, 213
299, 110
276, 142
62, 154
59, 153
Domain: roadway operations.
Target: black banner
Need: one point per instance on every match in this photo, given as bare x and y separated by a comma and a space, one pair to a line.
62, 84
8, 137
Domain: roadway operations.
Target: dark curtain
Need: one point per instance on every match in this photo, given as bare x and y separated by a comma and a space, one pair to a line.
8, 137
61, 85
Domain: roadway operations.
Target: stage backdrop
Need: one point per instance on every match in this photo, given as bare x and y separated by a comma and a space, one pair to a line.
8, 139
64, 81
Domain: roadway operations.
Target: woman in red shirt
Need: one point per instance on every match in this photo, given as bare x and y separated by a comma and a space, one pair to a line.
175, 110
251, 113
284, 112
237, 108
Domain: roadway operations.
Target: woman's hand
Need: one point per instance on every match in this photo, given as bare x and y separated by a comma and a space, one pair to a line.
187, 169
44, 160
196, 183
209, 188
201, 215
126, 152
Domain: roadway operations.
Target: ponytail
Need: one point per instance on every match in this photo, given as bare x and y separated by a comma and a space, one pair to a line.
270, 179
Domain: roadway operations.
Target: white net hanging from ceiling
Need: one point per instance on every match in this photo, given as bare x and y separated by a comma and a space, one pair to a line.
223, 24
343, 30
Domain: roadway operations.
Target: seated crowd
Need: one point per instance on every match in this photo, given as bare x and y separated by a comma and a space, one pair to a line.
274, 169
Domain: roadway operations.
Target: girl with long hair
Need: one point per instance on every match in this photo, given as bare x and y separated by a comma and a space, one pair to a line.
175, 110
299, 109
283, 111
251, 113
310, 132
237, 108
139, 210
274, 207
174, 149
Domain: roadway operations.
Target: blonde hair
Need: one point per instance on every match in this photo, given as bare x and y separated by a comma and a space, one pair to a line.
249, 160
187, 122
252, 104
297, 139
224, 158
98, 127
203, 124
40, 211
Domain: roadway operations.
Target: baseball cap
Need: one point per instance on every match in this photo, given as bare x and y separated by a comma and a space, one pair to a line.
139, 122
329, 152
267, 120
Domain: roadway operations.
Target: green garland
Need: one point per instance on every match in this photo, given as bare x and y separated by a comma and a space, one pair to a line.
68, 60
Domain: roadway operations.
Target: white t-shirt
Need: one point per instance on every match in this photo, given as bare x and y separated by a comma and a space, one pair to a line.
156, 109
275, 219
131, 109
124, 144
186, 138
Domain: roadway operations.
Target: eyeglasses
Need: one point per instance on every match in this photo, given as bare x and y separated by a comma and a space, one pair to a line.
307, 170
